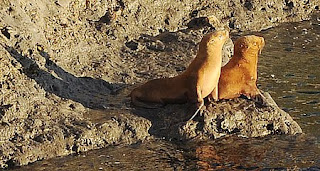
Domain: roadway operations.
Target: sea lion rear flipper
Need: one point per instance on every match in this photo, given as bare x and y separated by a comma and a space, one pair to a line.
149, 105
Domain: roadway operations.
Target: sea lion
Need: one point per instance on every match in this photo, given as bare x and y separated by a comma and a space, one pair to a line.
239, 75
191, 85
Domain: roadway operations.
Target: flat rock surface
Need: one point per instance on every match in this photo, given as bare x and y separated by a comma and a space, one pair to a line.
60, 59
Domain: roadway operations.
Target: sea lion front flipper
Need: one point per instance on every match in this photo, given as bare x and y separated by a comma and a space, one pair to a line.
200, 102
257, 97
213, 96
261, 100
197, 111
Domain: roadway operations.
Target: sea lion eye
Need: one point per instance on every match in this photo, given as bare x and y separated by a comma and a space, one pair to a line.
243, 45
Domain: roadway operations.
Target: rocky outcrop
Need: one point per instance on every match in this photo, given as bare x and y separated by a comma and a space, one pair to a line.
58, 59
241, 117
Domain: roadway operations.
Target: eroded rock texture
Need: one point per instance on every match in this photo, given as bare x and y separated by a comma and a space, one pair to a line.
243, 117
240, 116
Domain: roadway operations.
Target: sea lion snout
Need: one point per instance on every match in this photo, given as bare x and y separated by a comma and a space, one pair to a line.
222, 34
262, 40
219, 36
260, 43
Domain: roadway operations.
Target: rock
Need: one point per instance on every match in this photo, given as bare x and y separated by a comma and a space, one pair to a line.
227, 52
240, 116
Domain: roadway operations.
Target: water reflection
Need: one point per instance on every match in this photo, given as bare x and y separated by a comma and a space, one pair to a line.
232, 153
273, 152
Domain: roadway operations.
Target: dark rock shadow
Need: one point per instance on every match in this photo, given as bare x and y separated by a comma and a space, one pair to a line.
90, 92
167, 119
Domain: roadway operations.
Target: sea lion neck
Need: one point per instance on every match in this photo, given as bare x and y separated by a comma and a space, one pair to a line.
248, 56
208, 51
252, 55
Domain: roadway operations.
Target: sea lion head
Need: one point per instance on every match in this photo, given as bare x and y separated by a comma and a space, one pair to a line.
214, 38
249, 45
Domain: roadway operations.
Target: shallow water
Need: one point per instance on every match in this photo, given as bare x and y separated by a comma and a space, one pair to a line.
288, 70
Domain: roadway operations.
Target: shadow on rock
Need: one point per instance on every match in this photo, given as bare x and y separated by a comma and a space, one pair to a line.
165, 118
90, 92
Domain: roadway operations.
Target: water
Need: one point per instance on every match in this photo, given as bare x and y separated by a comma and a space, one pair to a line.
288, 70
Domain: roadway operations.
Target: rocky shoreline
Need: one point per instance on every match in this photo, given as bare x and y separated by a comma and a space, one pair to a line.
60, 59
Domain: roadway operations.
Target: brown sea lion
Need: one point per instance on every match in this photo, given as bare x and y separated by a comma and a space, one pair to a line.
190, 86
239, 75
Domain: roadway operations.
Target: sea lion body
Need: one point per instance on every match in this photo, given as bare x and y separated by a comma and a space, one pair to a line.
161, 91
191, 85
239, 75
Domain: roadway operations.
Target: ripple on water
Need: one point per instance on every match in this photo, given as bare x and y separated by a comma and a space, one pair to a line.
312, 114
288, 97
312, 102
311, 92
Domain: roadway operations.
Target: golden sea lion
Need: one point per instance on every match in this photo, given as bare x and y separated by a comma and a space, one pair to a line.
239, 75
190, 86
